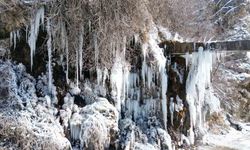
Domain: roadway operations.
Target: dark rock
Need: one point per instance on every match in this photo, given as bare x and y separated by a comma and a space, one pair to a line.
233, 124
79, 101
4, 92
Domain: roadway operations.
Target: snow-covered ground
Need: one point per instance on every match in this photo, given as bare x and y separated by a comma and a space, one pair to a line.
233, 139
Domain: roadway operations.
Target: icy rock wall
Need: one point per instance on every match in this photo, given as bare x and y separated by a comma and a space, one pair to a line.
137, 94
132, 88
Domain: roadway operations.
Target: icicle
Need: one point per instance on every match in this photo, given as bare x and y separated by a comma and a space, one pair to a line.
105, 76
149, 77
67, 60
124, 47
144, 65
125, 81
187, 56
164, 84
171, 108
65, 47
27, 32
18, 35
99, 75
11, 38
161, 62
49, 46
14, 36
117, 82
89, 26
81, 51
34, 30
77, 68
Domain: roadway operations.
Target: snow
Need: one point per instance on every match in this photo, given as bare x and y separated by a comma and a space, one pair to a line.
140, 146
213, 102
93, 123
179, 104
184, 139
75, 126
34, 30
248, 55
234, 139
232, 75
165, 137
165, 33
74, 90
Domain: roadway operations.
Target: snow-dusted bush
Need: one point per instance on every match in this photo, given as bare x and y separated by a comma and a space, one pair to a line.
25, 120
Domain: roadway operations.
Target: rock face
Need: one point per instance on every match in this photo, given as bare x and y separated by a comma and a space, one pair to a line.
234, 73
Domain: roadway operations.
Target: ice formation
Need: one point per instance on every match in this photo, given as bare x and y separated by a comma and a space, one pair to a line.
14, 36
92, 124
65, 48
81, 52
49, 46
117, 82
34, 31
171, 108
77, 67
161, 63
198, 88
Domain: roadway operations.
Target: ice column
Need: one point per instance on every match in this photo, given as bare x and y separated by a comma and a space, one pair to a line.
198, 82
80, 52
49, 46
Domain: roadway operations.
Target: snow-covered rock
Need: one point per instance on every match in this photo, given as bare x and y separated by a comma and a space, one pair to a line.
95, 124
